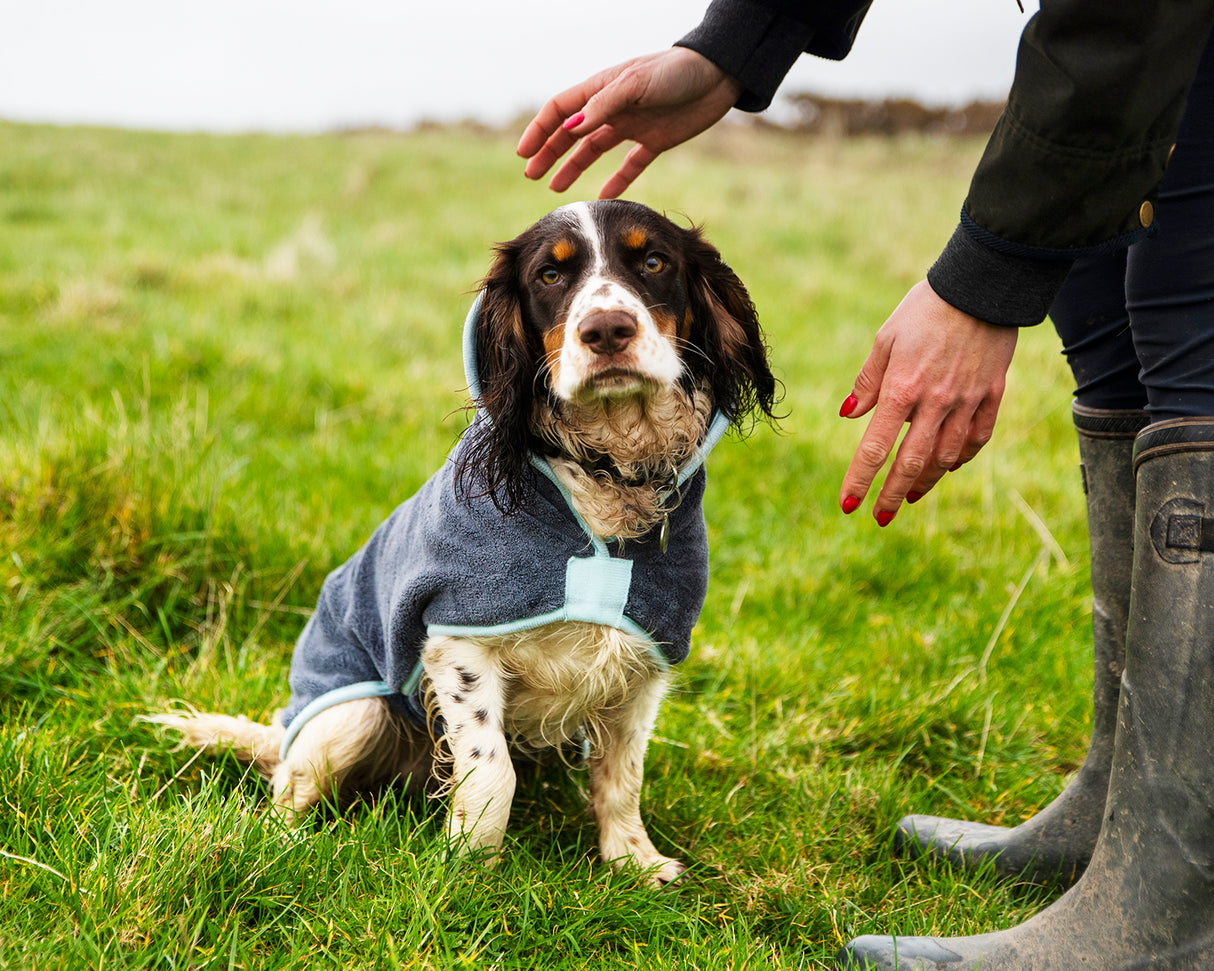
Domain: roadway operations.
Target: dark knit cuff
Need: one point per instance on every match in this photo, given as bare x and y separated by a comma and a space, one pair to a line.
753, 44
997, 287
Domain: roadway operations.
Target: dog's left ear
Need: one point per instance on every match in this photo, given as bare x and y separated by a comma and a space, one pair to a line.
725, 328
506, 352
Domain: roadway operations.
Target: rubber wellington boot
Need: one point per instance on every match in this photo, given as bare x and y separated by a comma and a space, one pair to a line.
1146, 899
1057, 842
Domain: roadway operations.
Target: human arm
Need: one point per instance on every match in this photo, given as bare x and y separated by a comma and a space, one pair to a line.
736, 57
1072, 170
1073, 165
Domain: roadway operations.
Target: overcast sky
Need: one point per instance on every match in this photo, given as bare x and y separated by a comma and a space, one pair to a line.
310, 65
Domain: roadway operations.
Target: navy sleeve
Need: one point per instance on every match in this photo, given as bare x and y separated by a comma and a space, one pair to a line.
758, 41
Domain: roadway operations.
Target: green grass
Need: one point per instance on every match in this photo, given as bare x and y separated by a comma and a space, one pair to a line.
223, 360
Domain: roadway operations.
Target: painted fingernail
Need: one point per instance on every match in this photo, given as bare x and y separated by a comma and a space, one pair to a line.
850, 504
913, 497
956, 467
884, 518
849, 405
574, 120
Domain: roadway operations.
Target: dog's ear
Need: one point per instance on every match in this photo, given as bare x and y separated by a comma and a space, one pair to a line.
725, 329
507, 353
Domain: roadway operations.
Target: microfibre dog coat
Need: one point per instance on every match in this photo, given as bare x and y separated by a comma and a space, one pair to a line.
448, 563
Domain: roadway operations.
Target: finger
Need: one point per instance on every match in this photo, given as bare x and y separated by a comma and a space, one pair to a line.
951, 441
928, 481
980, 432
589, 151
635, 162
871, 454
982, 427
547, 156
547, 121
550, 135
558, 109
960, 441
546, 139
867, 387
913, 461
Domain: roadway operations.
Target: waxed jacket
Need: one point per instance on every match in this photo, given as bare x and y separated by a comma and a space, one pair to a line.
1073, 165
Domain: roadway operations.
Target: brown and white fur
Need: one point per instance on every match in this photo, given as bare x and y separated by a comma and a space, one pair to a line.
608, 336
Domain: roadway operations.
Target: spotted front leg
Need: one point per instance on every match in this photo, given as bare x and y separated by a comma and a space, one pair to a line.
615, 787
470, 693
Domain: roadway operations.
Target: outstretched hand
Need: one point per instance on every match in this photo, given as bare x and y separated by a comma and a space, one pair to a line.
658, 101
943, 372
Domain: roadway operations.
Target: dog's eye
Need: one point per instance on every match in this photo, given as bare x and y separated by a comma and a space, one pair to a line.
550, 276
654, 264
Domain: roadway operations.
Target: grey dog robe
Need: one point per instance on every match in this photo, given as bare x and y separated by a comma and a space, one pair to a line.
446, 563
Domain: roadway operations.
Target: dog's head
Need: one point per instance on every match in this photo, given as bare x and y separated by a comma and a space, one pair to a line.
607, 300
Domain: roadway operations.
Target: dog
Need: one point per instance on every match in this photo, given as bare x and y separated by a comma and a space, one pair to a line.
536, 591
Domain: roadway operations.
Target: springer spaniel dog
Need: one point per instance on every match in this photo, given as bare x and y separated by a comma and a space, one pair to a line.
536, 591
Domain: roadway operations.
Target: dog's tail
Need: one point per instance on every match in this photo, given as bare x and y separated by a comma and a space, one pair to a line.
256, 744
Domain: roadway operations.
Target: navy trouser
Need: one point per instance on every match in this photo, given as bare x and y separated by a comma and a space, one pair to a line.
1137, 325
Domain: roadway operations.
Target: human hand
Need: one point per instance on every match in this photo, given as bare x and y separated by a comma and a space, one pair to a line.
658, 101
942, 371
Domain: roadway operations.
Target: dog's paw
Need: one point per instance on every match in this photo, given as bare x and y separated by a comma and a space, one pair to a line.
664, 870
658, 870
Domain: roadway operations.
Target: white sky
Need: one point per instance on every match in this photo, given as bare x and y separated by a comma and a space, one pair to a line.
308, 65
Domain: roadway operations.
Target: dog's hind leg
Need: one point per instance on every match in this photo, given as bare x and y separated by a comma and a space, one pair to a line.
469, 689
616, 771
354, 745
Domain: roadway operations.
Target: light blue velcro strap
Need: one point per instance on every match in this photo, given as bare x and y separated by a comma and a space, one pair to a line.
349, 692
596, 589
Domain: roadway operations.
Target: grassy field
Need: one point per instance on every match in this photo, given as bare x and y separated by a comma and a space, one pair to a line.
223, 360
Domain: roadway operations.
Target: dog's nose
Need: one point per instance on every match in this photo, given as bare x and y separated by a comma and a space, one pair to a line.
608, 332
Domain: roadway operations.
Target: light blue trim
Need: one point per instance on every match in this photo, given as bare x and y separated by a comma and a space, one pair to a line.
600, 548
347, 692
414, 679
596, 592
716, 431
626, 624
492, 630
471, 374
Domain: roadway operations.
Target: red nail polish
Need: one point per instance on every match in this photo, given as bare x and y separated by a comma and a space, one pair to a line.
913, 497
574, 120
850, 504
884, 518
849, 405
956, 467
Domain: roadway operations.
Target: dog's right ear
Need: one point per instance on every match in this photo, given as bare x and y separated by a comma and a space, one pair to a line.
507, 353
